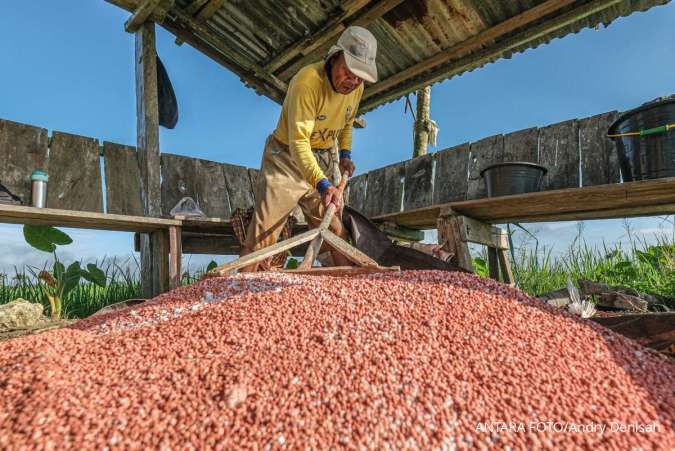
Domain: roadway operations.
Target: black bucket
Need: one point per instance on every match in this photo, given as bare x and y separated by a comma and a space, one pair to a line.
518, 177
649, 156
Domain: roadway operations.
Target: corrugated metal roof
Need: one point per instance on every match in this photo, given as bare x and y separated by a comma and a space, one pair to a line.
419, 41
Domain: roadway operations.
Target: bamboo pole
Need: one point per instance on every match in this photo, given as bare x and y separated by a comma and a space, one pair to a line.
422, 122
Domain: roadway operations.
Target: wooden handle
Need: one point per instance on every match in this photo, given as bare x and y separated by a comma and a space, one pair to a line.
313, 249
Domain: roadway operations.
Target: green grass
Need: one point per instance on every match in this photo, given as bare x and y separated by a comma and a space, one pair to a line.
85, 299
647, 268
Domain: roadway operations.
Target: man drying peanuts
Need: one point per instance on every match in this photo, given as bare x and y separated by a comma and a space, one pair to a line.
316, 121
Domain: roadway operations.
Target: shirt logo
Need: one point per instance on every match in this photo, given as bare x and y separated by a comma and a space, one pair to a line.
348, 114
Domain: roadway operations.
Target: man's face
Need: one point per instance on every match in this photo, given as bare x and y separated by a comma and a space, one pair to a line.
343, 80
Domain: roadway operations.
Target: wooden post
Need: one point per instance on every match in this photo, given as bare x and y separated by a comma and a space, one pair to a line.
154, 275
450, 236
422, 122
176, 255
493, 263
505, 263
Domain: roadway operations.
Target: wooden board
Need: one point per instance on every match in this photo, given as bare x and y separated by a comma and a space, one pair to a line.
262, 254
147, 119
18, 214
656, 330
212, 188
375, 193
153, 261
451, 178
23, 148
350, 252
521, 146
75, 173
238, 186
357, 192
419, 184
616, 200
595, 150
122, 180
559, 153
339, 271
482, 154
392, 199
179, 179
253, 177
202, 180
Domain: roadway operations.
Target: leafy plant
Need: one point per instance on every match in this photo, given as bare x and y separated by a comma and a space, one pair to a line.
480, 266
58, 283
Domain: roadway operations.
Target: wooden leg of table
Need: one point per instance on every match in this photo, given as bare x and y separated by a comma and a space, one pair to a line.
462, 247
160, 251
146, 273
493, 263
175, 257
449, 232
505, 264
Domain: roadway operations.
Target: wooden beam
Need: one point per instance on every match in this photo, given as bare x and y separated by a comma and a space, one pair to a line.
493, 263
349, 251
339, 271
327, 32
153, 246
194, 7
18, 214
468, 54
175, 257
505, 266
141, 15
373, 13
617, 200
147, 119
209, 10
262, 254
159, 242
479, 232
450, 236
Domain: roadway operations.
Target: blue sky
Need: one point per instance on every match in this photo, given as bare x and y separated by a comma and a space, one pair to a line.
68, 66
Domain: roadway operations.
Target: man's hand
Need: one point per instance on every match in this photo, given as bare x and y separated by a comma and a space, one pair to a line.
347, 165
330, 196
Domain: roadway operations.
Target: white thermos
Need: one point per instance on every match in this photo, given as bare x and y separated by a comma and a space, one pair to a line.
39, 181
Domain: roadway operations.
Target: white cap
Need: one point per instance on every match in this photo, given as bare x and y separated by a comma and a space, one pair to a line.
360, 48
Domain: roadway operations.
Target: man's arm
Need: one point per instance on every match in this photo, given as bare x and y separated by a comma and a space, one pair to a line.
302, 110
345, 142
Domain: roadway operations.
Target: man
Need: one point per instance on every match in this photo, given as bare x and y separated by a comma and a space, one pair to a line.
317, 115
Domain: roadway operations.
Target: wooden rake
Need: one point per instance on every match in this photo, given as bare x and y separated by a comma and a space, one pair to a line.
316, 237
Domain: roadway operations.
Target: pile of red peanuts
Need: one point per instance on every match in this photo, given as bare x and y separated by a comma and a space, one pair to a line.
418, 359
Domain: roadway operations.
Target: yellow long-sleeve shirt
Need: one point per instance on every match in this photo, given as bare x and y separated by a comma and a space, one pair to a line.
313, 116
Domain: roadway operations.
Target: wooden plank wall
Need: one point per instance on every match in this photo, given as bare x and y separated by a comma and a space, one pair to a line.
575, 152
75, 164
202, 180
122, 179
75, 173
23, 148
